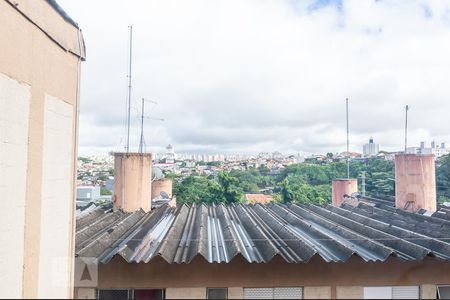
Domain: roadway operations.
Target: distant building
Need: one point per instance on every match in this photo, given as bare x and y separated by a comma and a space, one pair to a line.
257, 198
437, 150
88, 193
371, 148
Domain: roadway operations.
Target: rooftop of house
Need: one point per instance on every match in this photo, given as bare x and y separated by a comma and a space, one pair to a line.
260, 232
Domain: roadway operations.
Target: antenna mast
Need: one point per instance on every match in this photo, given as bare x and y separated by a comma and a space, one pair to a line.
129, 89
406, 127
348, 140
141, 142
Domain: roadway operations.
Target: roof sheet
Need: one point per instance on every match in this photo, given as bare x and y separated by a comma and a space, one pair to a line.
260, 232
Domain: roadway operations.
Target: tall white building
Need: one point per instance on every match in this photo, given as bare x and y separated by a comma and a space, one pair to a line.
371, 148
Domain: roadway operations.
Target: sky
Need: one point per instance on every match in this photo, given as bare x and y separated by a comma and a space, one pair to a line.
234, 76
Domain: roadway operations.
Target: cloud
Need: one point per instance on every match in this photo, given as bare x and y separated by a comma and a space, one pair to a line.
251, 76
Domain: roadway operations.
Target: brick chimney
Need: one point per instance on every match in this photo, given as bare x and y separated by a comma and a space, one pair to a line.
341, 187
132, 181
415, 180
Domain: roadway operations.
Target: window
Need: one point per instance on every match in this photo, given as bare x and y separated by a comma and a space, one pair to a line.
138, 294
274, 293
391, 292
146, 294
443, 292
113, 294
217, 293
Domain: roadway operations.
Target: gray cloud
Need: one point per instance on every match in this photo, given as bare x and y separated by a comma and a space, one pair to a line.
250, 76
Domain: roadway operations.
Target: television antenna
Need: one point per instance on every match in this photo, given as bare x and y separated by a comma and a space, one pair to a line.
142, 139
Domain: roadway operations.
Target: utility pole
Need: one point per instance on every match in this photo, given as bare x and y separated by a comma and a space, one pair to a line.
141, 142
348, 141
129, 89
363, 185
406, 127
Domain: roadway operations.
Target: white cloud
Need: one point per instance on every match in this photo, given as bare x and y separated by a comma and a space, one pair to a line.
265, 75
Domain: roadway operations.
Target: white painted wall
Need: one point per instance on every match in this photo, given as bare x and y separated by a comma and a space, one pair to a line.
14, 112
57, 199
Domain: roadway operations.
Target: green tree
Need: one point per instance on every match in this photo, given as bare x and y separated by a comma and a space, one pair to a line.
443, 178
231, 189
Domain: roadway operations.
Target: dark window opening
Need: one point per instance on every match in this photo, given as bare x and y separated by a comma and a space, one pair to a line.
217, 293
443, 292
147, 294
130, 294
113, 294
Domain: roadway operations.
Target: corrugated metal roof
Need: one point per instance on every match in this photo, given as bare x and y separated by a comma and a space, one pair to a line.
260, 232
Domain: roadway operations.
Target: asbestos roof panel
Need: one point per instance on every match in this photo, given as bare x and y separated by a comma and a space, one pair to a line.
259, 232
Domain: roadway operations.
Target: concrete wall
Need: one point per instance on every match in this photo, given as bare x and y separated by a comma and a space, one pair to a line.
341, 187
13, 174
57, 185
415, 182
132, 181
40, 58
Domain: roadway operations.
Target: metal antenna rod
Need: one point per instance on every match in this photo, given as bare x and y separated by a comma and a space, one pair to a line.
348, 141
129, 89
363, 185
141, 142
406, 127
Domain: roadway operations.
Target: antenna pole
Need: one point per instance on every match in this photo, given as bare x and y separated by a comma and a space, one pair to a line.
363, 185
129, 89
141, 142
406, 127
348, 140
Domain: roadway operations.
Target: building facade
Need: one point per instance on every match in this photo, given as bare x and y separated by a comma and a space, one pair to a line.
371, 149
264, 252
434, 149
40, 59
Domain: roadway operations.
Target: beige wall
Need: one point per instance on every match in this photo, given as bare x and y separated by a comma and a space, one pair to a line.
13, 173
317, 292
349, 292
186, 293
235, 293
38, 49
57, 184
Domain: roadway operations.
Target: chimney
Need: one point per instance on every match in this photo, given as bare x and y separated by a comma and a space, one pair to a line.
443, 145
132, 181
161, 185
341, 187
422, 145
415, 180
